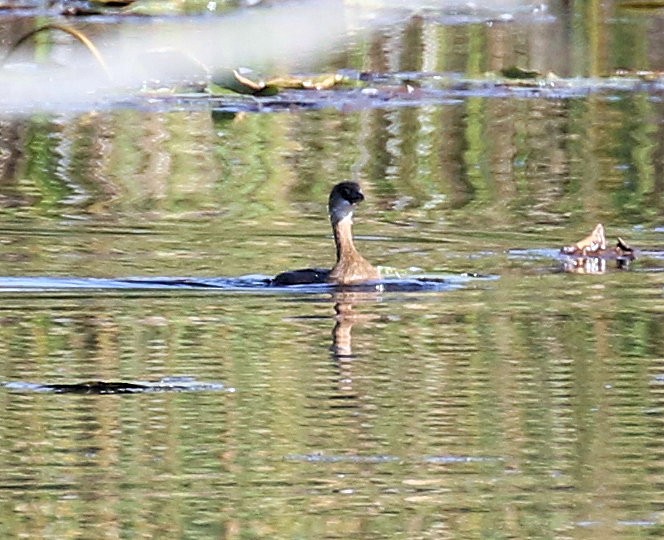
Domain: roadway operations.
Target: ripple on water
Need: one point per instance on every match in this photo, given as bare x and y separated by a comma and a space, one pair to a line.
255, 283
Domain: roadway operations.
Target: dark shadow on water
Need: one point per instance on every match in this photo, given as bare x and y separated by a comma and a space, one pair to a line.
169, 384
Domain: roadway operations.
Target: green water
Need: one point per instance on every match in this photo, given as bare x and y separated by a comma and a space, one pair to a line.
525, 405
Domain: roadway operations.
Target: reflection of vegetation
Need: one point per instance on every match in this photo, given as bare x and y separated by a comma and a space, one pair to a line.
42, 166
510, 163
526, 406
518, 161
516, 377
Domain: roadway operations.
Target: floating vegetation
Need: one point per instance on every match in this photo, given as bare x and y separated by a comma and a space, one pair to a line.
240, 82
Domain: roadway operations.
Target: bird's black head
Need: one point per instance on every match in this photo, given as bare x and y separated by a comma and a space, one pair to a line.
349, 191
343, 198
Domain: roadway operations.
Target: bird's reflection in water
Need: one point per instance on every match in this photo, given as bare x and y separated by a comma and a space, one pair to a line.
346, 316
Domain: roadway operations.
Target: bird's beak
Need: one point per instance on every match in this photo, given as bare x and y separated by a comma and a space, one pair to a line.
359, 198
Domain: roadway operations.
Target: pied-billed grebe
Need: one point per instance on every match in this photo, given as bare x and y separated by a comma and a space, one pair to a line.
351, 268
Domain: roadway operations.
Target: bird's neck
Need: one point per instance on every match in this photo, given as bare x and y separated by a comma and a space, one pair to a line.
343, 238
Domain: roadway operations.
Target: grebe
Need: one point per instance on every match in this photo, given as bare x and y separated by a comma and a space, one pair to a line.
351, 268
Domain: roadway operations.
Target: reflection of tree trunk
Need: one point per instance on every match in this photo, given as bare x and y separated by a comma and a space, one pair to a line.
412, 45
11, 141
658, 180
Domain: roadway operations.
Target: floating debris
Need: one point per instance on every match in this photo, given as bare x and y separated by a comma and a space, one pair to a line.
241, 81
514, 72
590, 254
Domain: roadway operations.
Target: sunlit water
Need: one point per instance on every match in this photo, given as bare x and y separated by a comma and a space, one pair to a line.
153, 384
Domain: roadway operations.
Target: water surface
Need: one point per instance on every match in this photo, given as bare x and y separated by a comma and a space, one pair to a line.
512, 400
